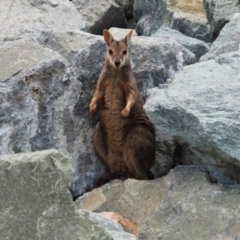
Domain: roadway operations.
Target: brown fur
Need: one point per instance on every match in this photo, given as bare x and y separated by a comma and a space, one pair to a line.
124, 137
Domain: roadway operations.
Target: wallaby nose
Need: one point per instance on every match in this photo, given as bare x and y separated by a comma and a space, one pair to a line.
117, 63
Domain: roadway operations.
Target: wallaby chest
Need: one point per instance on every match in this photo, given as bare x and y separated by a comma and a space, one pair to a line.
114, 98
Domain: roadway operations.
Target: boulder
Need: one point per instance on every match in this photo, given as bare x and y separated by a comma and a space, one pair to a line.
227, 41
219, 12
181, 204
97, 226
127, 6
44, 95
185, 16
126, 224
100, 15
198, 47
39, 14
157, 59
133, 199
193, 209
200, 108
36, 202
120, 33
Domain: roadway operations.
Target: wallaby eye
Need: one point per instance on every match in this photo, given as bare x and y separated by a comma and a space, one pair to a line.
110, 52
125, 52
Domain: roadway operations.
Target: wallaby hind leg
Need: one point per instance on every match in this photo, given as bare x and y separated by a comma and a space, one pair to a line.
99, 142
140, 151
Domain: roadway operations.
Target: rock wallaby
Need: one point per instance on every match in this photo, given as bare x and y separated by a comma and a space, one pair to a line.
124, 137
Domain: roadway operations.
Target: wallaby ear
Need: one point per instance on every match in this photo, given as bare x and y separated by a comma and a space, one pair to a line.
107, 37
128, 37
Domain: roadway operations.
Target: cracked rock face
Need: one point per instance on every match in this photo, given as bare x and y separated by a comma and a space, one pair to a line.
181, 204
219, 12
198, 47
227, 41
200, 108
36, 202
186, 16
100, 15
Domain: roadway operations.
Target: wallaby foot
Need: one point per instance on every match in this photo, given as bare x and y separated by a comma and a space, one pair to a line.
104, 178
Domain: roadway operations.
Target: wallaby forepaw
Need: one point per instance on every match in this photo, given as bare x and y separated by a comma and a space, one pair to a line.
124, 113
92, 108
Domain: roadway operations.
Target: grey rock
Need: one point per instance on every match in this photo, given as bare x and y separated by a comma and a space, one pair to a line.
150, 16
133, 199
111, 227
200, 108
165, 154
100, 15
219, 12
191, 26
157, 59
193, 209
181, 205
41, 14
120, 33
127, 6
227, 41
44, 95
190, 19
198, 47
131, 23
36, 202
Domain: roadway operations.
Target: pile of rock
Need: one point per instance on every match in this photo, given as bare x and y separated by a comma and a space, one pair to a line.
52, 55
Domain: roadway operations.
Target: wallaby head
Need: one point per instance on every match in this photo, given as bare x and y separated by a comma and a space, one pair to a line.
117, 54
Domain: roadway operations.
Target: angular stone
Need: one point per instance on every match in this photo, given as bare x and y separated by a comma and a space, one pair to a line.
36, 202
45, 97
185, 16
100, 15
126, 224
181, 204
95, 226
200, 108
39, 14
227, 41
127, 6
219, 12
133, 199
157, 59
120, 33
198, 47
194, 209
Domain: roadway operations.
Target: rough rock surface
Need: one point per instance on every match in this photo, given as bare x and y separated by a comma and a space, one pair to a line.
120, 33
186, 16
198, 47
191, 208
39, 14
200, 107
127, 6
100, 15
227, 41
219, 12
126, 224
133, 199
181, 205
97, 227
36, 202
